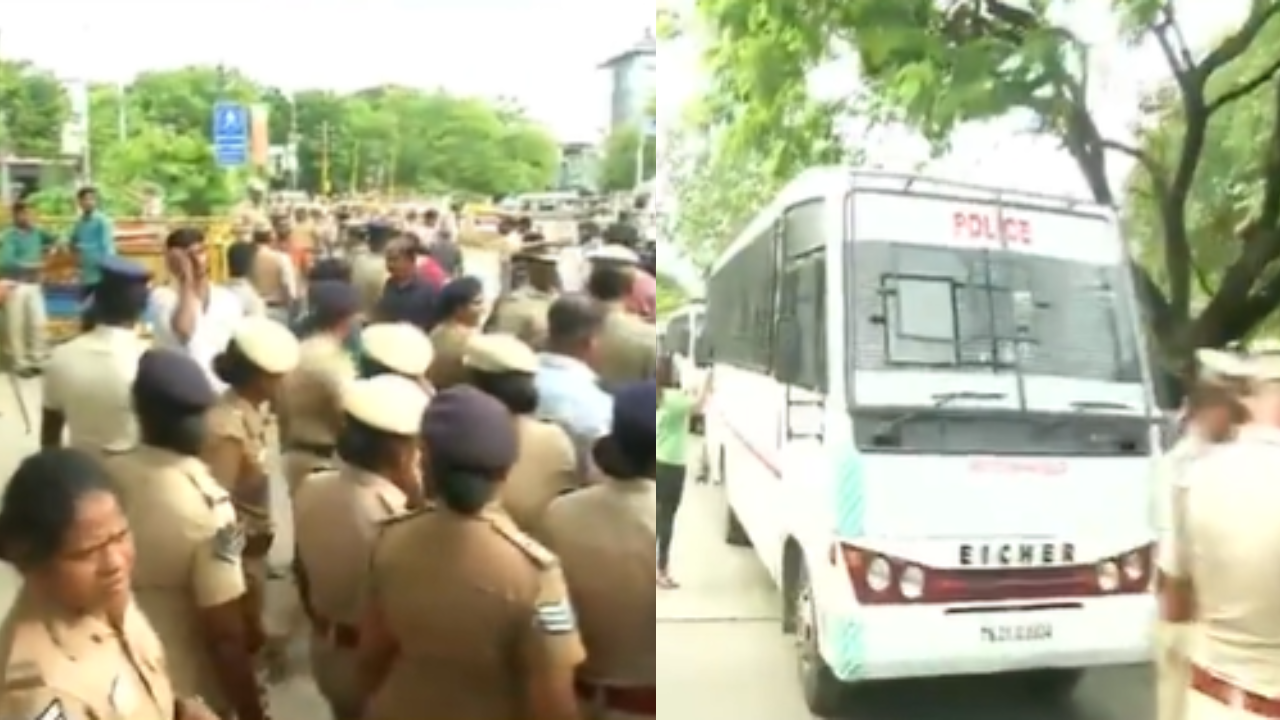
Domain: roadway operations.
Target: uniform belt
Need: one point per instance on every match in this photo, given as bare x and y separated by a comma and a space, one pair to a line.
1232, 695
314, 448
630, 700
346, 637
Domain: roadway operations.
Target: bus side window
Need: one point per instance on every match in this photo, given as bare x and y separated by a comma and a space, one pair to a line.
802, 350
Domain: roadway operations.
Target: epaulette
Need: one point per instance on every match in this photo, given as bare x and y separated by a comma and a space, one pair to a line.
542, 557
22, 676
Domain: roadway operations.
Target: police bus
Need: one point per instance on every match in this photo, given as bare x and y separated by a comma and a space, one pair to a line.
934, 416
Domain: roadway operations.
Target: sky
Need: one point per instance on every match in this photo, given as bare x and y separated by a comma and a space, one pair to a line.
543, 53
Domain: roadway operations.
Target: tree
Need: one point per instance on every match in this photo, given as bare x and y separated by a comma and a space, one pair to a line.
154, 133
937, 66
33, 110
618, 169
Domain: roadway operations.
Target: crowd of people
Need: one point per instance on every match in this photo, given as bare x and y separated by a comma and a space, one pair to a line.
472, 486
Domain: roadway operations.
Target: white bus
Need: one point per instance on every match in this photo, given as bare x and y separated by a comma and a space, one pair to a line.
934, 416
684, 340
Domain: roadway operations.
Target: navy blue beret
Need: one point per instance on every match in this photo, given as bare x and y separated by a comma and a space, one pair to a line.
465, 429
628, 450
121, 270
173, 378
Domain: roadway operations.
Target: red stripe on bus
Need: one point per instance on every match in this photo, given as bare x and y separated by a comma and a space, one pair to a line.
757, 453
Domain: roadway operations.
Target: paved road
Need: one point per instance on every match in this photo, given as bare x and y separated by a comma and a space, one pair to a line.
720, 654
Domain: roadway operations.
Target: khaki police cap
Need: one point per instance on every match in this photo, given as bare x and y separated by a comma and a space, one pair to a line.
389, 403
269, 345
499, 353
618, 254
399, 347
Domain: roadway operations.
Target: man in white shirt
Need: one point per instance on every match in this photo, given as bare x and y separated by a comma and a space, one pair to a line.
190, 313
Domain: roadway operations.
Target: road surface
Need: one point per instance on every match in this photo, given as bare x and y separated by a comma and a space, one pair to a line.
720, 654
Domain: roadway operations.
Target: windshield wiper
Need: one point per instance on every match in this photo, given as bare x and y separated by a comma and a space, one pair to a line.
889, 433
1087, 405
1083, 407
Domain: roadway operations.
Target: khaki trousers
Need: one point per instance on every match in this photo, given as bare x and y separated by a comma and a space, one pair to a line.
1173, 670
26, 327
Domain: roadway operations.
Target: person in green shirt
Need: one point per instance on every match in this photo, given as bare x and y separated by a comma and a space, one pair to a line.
22, 252
676, 409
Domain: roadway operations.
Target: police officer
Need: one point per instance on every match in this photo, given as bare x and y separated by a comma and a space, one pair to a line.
75, 645
1211, 414
524, 312
504, 367
369, 265
461, 306
1217, 558
434, 647
336, 520
87, 384
628, 350
606, 536
189, 577
396, 349
311, 398
261, 353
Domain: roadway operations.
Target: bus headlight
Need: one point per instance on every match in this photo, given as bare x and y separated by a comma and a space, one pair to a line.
1108, 576
911, 582
879, 575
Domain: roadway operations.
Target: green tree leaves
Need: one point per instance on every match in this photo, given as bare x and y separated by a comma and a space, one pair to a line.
32, 110
155, 131
621, 166
1208, 154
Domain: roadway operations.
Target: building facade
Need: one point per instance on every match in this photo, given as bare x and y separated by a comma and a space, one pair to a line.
633, 80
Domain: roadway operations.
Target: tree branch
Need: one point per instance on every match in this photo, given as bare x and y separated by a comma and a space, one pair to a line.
1236, 44
1246, 88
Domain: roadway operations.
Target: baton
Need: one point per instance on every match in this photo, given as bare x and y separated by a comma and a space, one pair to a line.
16, 388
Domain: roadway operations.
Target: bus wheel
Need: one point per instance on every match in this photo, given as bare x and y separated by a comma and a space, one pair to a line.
1051, 687
824, 694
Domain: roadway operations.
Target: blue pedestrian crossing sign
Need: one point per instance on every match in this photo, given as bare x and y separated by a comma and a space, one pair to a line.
231, 131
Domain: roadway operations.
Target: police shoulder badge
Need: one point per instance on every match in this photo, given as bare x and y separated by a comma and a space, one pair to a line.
229, 543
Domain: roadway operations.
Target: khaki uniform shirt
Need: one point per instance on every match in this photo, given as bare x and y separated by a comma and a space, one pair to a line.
249, 217
450, 343
369, 277
270, 277
89, 381
189, 555
546, 469
475, 606
337, 518
237, 460
628, 349
56, 667
311, 398
1225, 540
606, 538
524, 314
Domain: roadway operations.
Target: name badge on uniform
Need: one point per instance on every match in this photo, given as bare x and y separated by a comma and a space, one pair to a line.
123, 699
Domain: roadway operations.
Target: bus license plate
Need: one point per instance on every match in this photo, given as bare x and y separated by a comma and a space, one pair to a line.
1036, 632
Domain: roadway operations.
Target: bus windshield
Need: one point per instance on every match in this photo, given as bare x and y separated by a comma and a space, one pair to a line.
981, 309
